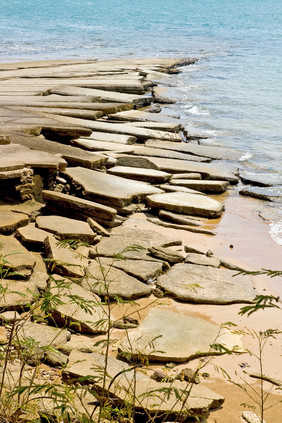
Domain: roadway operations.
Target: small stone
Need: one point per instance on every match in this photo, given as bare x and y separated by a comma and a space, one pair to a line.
55, 358
96, 227
250, 417
160, 376
189, 375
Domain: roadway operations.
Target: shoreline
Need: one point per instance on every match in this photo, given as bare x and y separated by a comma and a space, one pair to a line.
238, 226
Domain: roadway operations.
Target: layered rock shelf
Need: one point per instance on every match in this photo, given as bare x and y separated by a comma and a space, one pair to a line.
91, 178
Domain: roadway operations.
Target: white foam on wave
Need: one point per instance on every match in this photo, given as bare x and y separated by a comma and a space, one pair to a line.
195, 110
275, 232
246, 156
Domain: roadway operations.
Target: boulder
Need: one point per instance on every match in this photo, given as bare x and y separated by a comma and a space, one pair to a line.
10, 221
66, 228
110, 189
140, 174
186, 203
78, 207
166, 336
64, 260
206, 285
77, 308
106, 280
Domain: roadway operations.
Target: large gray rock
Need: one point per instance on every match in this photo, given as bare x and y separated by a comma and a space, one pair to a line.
124, 239
143, 270
66, 228
124, 384
106, 280
64, 260
18, 258
78, 308
206, 285
140, 174
185, 203
110, 189
79, 207
168, 336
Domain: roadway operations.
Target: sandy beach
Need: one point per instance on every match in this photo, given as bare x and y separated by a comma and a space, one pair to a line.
49, 113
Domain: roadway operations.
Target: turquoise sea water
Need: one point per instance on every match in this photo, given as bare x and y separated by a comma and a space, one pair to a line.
233, 94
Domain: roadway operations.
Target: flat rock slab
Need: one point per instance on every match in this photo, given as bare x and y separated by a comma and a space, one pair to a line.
77, 113
261, 193
161, 126
260, 180
43, 335
64, 260
166, 154
126, 129
66, 228
143, 270
180, 218
206, 186
74, 206
126, 237
10, 221
185, 203
95, 145
140, 174
121, 378
17, 295
80, 310
187, 175
113, 282
175, 337
172, 225
18, 257
98, 95
178, 188
109, 137
32, 236
142, 116
208, 171
166, 254
212, 152
206, 285
28, 157
202, 260
110, 189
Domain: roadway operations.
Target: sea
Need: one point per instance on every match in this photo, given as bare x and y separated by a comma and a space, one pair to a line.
232, 94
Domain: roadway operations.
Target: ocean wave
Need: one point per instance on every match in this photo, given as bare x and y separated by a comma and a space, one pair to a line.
246, 156
275, 232
197, 111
